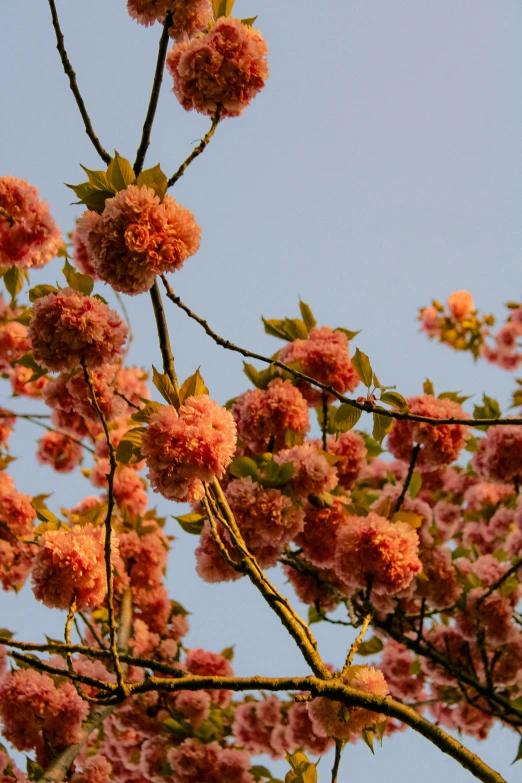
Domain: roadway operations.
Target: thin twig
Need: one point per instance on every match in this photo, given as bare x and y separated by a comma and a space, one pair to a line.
70, 73
154, 96
197, 150
339, 744
108, 533
163, 335
92, 629
217, 538
355, 646
365, 407
407, 481
324, 427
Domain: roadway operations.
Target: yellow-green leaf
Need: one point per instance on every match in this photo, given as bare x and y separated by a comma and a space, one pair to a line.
191, 523
306, 312
14, 280
364, 369
382, 425
75, 280
346, 417
165, 387
154, 178
120, 173
395, 399
412, 519
194, 386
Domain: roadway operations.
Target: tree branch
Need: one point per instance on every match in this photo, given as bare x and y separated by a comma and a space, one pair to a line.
163, 335
197, 150
407, 481
70, 73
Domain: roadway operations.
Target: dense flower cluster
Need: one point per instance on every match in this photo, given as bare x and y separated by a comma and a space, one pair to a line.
68, 328
17, 518
225, 68
29, 237
59, 451
137, 237
189, 17
185, 449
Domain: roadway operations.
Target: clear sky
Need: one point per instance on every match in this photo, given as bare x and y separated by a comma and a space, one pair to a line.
381, 166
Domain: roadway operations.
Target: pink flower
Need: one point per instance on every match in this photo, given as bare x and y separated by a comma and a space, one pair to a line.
440, 445
494, 614
441, 588
258, 725
29, 237
224, 68
263, 417
266, 518
193, 705
189, 17
185, 449
21, 384
58, 451
129, 491
16, 510
448, 519
68, 327
210, 565
97, 769
70, 565
318, 539
81, 254
203, 662
300, 732
145, 556
193, 762
31, 703
72, 395
350, 449
312, 474
460, 304
324, 356
373, 551
396, 665
6, 426
334, 719
138, 237
430, 322
500, 455
14, 341
314, 591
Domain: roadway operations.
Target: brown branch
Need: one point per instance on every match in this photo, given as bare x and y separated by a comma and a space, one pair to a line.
154, 96
407, 481
355, 646
337, 760
217, 538
70, 73
163, 335
365, 407
197, 150
34, 420
108, 534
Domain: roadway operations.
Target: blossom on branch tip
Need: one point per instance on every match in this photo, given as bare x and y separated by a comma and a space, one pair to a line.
68, 328
29, 237
137, 237
189, 17
225, 68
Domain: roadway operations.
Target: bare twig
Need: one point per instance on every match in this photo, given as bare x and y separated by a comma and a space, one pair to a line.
197, 150
70, 73
337, 759
407, 481
355, 646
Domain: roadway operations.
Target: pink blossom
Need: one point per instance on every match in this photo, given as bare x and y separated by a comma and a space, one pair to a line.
440, 445
31, 703
334, 719
373, 551
21, 384
312, 473
68, 327
483, 493
224, 68
138, 237
72, 395
16, 510
14, 341
441, 587
258, 725
6, 426
500, 455
143, 641
81, 254
58, 451
70, 565
263, 417
266, 518
189, 17
460, 304
396, 665
494, 614
193, 762
430, 322
154, 606
448, 519
210, 565
323, 356
145, 556
314, 591
185, 449
97, 769
318, 539
351, 452
300, 732
29, 237
194, 706
153, 758
203, 662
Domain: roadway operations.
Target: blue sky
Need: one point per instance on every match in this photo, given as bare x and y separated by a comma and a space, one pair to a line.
381, 166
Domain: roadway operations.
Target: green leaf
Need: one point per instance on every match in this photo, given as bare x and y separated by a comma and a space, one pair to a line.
415, 485
428, 387
364, 369
222, 7
41, 290
460, 551
120, 173
146, 413
128, 451
372, 446
242, 467
28, 361
454, 396
180, 730
177, 609
34, 770
194, 386
382, 425
82, 190
96, 199
346, 417
75, 280
258, 772
6, 634
154, 178
98, 179
306, 312
371, 647
14, 280
368, 735
287, 329
489, 410
249, 21
228, 653
314, 616
350, 335
324, 500
395, 399
191, 523
165, 387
